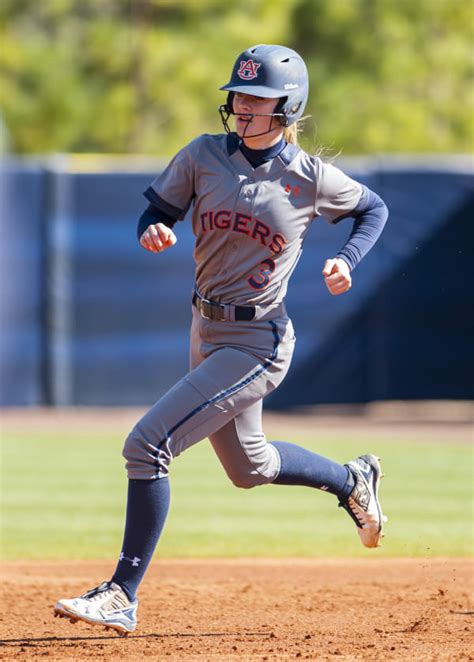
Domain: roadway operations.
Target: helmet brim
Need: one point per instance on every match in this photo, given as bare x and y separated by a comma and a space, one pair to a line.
254, 90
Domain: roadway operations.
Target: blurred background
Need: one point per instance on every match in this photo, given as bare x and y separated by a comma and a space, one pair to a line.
97, 95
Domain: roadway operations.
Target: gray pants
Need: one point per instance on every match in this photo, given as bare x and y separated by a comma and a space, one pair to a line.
234, 365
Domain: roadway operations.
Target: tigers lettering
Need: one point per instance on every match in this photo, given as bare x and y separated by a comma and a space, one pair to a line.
254, 228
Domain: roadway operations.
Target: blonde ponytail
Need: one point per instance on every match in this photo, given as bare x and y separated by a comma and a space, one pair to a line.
290, 134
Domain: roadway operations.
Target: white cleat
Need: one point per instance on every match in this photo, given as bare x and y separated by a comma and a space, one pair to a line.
363, 503
106, 605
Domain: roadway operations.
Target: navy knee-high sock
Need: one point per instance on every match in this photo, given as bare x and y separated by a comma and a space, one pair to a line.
147, 508
302, 467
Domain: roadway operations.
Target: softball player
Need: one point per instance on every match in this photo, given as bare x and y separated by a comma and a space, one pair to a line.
254, 194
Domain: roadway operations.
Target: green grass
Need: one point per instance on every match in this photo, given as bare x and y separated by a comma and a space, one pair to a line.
63, 496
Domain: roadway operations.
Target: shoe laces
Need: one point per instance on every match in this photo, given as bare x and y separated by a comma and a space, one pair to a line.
99, 592
359, 500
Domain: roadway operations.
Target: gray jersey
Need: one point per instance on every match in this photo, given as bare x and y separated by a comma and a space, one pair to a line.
250, 223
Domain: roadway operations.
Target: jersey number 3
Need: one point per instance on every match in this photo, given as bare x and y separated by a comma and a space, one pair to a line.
261, 280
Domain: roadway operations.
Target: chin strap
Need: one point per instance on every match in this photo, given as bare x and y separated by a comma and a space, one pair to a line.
225, 112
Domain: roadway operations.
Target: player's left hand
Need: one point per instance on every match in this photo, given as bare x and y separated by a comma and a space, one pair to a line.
337, 276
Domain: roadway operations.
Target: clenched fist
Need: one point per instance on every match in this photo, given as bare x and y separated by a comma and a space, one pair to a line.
157, 238
337, 276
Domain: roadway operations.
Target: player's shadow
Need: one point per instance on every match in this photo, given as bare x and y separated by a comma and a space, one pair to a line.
31, 641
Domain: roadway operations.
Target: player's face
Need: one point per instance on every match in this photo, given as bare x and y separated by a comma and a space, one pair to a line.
249, 128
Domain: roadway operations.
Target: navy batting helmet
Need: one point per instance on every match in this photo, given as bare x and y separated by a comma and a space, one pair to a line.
274, 72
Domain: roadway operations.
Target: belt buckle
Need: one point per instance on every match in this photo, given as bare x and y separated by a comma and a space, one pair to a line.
210, 310
206, 308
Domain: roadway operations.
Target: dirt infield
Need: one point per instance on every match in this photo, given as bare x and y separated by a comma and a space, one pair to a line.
252, 610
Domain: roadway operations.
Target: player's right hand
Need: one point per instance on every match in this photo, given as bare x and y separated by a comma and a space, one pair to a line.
157, 238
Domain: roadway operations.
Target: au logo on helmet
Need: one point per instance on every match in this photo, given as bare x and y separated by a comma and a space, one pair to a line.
248, 69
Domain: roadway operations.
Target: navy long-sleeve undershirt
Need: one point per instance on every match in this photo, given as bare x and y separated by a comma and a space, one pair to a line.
370, 217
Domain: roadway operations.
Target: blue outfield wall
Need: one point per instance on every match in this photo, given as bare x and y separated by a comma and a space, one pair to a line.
118, 315
22, 188
89, 318
405, 330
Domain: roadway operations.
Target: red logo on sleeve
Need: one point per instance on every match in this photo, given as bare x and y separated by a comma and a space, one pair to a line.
248, 69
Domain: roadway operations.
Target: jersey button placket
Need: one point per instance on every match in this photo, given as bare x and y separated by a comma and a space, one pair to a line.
247, 193
243, 204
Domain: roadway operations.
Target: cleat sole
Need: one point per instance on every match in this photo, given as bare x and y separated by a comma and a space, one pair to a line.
74, 619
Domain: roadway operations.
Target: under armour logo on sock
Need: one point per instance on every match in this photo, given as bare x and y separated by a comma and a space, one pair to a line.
135, 561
